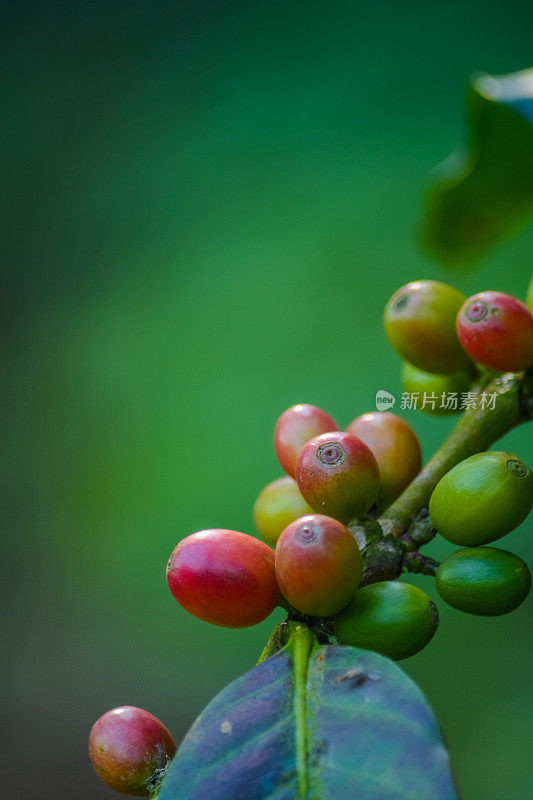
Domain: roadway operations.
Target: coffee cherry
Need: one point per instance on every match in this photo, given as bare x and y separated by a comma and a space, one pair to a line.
396, 449
483, 580
294, 428
277, 505
318, 565
496, 330
392, 618
482, 499
438, 395
127, 746
529, 296
338, 475
419, 321
224, 577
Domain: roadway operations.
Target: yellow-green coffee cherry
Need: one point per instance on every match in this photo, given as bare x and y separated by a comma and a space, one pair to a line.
529, 297
483, 580
277, 505
438, 395
392, 618
482, 499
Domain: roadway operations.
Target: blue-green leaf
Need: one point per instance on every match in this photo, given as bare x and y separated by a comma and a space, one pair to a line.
484, 192
314, 723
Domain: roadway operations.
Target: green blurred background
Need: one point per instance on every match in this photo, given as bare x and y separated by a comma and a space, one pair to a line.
209, 204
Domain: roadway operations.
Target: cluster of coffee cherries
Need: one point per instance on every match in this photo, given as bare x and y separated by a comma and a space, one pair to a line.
446, 342
309, 561
444, 338
482, 499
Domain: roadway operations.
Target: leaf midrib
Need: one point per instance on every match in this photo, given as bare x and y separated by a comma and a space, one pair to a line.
302, 644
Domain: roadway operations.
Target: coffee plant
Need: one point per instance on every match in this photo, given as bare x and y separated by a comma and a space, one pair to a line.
327, 713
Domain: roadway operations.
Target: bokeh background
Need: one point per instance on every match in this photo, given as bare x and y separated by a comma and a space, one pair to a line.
208, 205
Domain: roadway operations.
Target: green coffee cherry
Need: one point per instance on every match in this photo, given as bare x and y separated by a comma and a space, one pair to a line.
392, 618
483, 580
438, 395
482, 499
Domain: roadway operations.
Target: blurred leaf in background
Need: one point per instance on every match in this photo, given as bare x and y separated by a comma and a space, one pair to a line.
484, 191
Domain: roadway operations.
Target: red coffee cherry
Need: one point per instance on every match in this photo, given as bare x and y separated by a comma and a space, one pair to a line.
127, 746
419, 321
338, 475
395, 447
318, 565
496, 330
294, 428
224, 577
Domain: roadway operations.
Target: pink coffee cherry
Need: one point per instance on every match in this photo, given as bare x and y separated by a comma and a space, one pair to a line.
338, 475
127, 746
496, 330
294, 428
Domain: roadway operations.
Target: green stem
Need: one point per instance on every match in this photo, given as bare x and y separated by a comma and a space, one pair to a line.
419, 533
301, 640
476, 431
302, 644
418, 563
